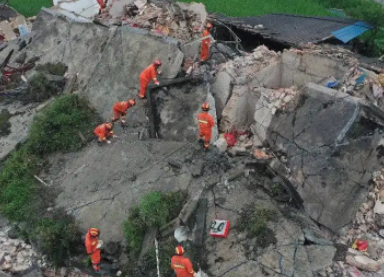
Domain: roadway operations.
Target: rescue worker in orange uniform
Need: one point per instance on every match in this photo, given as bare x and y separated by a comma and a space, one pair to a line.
104, 132
93, 250
120, 109
206, 124
102, 5
205, 43
148, 74
181, 265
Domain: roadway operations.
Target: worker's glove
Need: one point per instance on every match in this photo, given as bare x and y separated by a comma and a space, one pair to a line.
123, 121
159, 72
157, 83
109, 142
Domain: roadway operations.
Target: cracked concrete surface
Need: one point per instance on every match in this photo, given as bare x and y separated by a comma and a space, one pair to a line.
108, 61
95, 184
329, 141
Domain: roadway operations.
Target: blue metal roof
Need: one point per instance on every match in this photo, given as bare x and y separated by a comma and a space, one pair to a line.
350, 32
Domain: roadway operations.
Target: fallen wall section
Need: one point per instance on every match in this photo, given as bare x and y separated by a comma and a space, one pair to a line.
328, 140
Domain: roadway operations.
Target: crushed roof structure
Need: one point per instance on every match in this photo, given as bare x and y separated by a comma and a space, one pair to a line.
296, 29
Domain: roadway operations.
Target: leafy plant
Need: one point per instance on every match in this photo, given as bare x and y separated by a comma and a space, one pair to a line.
57, 238
39, 89
53, 68
134, 230
154, 210
23, 198
5, 126
56, 129
255, 221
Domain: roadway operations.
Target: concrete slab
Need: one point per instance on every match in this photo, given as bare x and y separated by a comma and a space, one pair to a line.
95, 183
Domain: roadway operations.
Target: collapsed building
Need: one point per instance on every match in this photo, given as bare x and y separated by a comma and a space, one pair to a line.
306, 110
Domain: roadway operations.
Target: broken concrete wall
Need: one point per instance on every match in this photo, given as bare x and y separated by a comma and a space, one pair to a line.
233, 86
221, 90
328, 140
212, 111
20, 120
269, 77
178, 110
240, 109
301, 68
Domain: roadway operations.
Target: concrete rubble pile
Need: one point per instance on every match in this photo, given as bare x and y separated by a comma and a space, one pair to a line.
179, 20
13, 24
15, 255
368, 225
360, 80
339, 53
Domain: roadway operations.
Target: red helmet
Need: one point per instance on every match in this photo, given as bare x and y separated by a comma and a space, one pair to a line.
94, 232
205, 106
179, 250
158, 62
209, 26
132, 102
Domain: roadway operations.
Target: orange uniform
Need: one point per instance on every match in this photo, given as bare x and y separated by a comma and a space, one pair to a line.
148, 74
120, 109
205, 43
103, 132
91, 246
206, 124
182, 266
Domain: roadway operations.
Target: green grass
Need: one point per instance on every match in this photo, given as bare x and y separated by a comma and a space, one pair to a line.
29, 7
57, 128
260, 7
23, 198
255, 220
154, 210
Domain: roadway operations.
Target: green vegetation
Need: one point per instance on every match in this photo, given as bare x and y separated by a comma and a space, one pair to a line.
57, 128
154, 210
53, 68
368, 11
166, 251
5, 126
39, 89
260, 7
63, 230
22, 197
255, 220
29, 7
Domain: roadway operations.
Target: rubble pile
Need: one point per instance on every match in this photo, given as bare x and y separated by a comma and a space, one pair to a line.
368, 225
345, 55
15, 255
15, 27
244, 68
182, 21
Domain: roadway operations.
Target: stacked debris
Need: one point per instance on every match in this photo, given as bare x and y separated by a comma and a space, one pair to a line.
15, 27
328, 50
368, 228
15, 255
244, 68
182, 21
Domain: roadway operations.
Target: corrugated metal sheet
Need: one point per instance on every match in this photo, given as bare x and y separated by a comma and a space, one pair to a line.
350, 32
